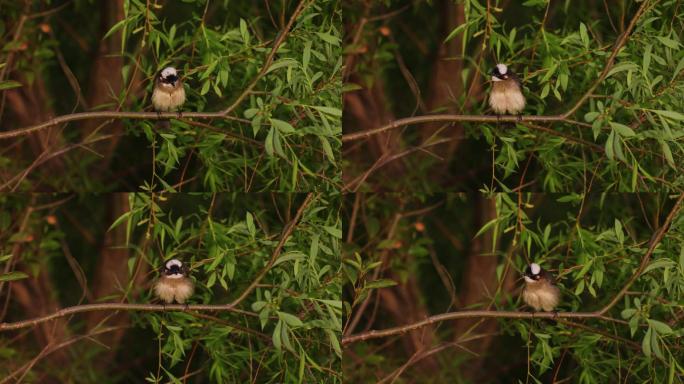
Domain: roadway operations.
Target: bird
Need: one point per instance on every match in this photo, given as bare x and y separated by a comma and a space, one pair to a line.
168, 94
540, 290
506, 95
174, 283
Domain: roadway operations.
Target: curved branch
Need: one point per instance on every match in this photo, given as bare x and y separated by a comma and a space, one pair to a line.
289, 228
283, 238
119, 307
611, 60
116, 115
170, 115
465, 315
564, 117
600, 314
269, 59
448, 118
653, 243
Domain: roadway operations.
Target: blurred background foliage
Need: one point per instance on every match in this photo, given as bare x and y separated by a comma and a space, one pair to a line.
63, 250
410, 257
283, 136
413, 58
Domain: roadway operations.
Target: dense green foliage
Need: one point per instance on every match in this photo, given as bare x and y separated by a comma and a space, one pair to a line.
284, 134
438, 248
287, 331
427, 57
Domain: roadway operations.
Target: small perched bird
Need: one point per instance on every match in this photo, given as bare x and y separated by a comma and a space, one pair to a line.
506, 95
540, 291
174, 283
168, 94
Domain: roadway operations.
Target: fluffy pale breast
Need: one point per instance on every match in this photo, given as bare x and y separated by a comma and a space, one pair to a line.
506, 97
165, 290
168, 101
497, 99
184, 289
540, 296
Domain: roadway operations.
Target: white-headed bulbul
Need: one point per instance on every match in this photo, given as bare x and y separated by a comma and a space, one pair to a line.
540, 290
174, 283
506, 96
168, 94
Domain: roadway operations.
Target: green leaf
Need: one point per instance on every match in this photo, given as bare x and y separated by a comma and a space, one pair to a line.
670, 114
646, 343
335, 112
9, 84
328, 38
622, 129
290, 319
668, 42
268, 145
16, 275
382, 283
660, 327
583, 35
282, 126
249, 219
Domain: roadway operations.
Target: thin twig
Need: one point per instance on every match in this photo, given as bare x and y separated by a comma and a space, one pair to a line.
656, 238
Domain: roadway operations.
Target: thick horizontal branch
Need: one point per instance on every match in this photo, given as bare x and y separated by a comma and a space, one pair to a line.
470, 314
287, 232
656, 238
565, 117
116, 115
119, 307
450, 118
225, 114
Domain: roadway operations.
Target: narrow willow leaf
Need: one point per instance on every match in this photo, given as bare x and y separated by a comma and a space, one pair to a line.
11, 276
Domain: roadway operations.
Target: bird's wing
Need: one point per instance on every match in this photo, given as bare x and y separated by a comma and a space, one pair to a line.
517, 80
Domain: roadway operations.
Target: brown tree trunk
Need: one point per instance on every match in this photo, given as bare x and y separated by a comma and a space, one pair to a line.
478, 286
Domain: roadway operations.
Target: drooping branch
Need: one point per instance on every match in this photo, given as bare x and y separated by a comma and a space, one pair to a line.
283, 238
656, 238
224, 114
287, 231
119, 307
564, 117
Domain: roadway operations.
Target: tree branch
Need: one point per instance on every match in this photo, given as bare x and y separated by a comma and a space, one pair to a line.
283, 238
622, 40
115, 115
653, 243
269, 59
118, 307
600, 314
170, 115
289, 228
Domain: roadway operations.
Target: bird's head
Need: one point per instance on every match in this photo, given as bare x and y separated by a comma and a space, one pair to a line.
168, 76
533, 273
174, 269
500, 72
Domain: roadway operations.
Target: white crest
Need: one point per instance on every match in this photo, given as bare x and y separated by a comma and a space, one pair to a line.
527, 279
535, 268
503, 69
168, 71
173, 262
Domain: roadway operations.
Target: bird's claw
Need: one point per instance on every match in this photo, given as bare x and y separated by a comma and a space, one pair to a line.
179, 113
520, 117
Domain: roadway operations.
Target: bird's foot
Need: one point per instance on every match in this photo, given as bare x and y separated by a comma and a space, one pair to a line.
179, 113
498, 118
555, 314
159, 115
520, 117
164, 307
